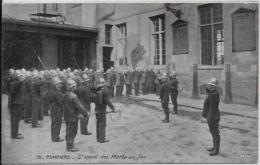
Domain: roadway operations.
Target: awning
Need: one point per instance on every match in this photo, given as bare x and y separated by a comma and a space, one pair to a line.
48, 28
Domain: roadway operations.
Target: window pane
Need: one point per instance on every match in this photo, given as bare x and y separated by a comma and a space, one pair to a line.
217, 13
205, 14
162, 24
206, 45
156, 24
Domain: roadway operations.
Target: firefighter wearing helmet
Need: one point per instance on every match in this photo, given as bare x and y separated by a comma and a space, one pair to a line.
73, 110
101, 105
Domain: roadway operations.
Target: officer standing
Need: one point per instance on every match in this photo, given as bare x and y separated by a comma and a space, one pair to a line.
212, 114
117, 82
101, 105
55, 98
27, 98
164, 96
16, 104
113, 81
128, 82
83, 93
73, 109
36, 99
174, 90
136, 82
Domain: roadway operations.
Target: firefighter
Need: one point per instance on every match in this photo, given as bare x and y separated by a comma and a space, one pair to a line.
16, 104
101, 104
83, 93
73, 110
55, 99
212, 114
164, 96
174, 91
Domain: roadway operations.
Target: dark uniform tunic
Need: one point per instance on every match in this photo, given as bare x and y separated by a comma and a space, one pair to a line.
212, 114
128, 82
101, 105
55, 100
16, 105
164, 96
83, 92
143, 82
72, 108
44, 90
136, 81
27, 100
174, 93
36, 101
119, 84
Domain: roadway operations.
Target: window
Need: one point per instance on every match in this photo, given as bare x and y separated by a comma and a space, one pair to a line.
55, 7
212, 38
44, 8
108, 29
158, 40
243, 30
180, 37
122, 49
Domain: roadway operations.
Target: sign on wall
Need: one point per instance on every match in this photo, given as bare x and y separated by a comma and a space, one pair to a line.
243, 30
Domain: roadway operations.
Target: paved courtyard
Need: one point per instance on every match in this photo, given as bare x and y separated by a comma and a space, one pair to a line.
138, 137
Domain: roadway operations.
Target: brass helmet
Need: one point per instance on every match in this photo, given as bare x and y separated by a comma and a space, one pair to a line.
56, 80
213, 81
71, 83
85, 77
101, 82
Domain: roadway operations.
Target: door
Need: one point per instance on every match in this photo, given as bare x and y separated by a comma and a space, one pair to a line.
107, 63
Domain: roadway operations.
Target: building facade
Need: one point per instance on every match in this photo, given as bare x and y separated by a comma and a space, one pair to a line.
49, 36
216, 39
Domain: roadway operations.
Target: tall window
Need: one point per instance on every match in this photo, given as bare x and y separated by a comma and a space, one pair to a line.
212, 38
44, 8
158, 40
55, 7
180, 37
108, 30
122, 54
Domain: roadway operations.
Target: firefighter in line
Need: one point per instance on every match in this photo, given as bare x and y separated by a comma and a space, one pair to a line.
73, 110
16, 104
55, 100
102, 100
84, 94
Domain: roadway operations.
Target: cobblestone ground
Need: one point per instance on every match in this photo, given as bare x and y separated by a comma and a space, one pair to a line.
138, 137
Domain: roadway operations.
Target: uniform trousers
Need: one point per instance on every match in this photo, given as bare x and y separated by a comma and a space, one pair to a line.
165, 106
101, 122
36, 110
214, 131
56, 121
71, 132
27, 107
174, 96
136, 86
15, 119
84, 125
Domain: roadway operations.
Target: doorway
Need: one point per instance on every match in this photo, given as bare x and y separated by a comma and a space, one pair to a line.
107, 63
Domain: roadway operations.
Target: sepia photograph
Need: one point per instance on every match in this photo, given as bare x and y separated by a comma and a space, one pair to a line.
129, 82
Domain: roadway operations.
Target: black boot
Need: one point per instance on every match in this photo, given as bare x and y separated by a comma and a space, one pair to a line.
213, 147
71, 148
216, 150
